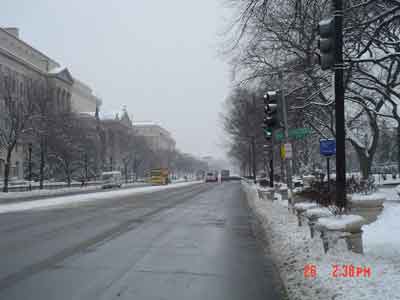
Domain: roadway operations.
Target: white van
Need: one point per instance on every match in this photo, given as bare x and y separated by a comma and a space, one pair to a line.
111, 179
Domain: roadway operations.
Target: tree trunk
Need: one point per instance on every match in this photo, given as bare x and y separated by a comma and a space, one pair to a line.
42, 163
365, 162
68, 173
7, 169
253, 146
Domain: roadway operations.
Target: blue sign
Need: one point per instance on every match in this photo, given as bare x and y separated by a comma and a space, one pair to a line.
327, 147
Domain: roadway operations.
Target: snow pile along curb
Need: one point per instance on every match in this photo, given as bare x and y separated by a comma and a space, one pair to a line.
308, 273
77, 199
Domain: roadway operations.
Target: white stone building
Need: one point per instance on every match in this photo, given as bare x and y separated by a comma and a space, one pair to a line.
157, 137
22, 62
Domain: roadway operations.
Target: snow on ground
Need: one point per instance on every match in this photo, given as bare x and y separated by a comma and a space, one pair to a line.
294, 251
389, 179
381, 238
390, 194
44, 192
51, 192
78, 199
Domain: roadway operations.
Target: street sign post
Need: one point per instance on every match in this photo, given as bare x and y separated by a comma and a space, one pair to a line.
294, 133
327, 147
286, 151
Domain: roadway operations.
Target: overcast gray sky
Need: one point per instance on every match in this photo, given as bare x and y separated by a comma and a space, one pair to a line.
159, 58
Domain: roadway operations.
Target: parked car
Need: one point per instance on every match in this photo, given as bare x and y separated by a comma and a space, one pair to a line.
111, 179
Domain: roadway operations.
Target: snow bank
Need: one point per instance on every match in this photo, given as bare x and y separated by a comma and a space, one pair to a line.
305, 205
77, 199
391, 194
44, 192
54, 192
317, 212
341, 222
293, 251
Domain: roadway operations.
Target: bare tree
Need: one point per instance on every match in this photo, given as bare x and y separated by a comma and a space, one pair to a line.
17, 99
282, 35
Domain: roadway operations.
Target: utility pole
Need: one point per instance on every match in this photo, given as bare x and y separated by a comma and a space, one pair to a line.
253, 146
271, 163
288, 161
339, 107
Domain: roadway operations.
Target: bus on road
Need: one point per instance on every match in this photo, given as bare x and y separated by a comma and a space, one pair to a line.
159, 176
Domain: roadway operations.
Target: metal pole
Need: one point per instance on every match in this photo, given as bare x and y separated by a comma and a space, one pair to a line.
339, 108
286, 139
30, 166
271, 172
328, 170
271, 162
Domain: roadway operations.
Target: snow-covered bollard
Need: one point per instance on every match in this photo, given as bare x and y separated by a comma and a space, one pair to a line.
301, 207
367, 206
342, 226
266, 193
313, 214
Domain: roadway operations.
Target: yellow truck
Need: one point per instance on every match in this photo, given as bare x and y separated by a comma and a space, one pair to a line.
159, 176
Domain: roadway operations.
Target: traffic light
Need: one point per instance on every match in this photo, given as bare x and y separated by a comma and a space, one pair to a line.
326, 43
270, 113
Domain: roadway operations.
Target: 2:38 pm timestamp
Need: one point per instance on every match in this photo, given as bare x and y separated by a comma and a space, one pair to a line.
350, 271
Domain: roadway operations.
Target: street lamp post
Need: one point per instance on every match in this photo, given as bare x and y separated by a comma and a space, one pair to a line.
30, 165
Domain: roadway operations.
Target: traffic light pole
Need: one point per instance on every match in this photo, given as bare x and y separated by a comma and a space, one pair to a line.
339, 107
271, 163
288, 162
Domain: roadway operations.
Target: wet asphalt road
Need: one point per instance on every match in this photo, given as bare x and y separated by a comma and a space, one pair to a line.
192, 242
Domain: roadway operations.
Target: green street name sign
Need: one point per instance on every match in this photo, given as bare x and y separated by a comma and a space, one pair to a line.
294, 133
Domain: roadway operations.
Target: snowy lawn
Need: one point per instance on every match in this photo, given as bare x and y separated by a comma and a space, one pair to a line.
77, 199
296, 255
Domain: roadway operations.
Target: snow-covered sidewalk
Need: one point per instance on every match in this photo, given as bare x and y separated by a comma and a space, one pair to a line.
296, 254
77, 199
